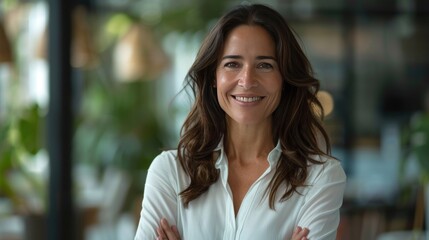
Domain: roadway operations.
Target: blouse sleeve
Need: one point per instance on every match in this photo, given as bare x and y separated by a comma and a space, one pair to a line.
320, 212
160, 197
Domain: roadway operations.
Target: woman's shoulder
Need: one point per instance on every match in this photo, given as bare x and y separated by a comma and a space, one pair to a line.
167, 154
165, 161
329, 169
324, 160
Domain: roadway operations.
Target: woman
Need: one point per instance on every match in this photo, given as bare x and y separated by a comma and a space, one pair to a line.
250, 162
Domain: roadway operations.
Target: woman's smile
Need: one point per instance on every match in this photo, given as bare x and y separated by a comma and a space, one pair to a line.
244, 99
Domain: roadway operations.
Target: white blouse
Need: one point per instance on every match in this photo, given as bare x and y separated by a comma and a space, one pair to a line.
211, 215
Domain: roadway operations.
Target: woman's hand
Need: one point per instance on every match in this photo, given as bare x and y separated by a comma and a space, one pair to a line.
167, 232
300, 233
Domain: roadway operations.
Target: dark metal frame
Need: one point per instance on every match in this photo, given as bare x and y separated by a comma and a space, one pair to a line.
60, 122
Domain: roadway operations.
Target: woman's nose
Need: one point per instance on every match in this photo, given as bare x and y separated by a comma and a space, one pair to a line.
247, 79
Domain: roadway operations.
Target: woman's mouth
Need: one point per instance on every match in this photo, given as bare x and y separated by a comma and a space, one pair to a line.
247, 99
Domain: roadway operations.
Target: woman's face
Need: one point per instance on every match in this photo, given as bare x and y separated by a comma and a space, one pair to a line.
248, 78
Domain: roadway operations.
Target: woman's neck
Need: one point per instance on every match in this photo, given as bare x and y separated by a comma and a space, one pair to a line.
248, 143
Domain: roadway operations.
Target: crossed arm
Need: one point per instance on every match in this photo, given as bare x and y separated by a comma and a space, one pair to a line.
166, 231
319, 213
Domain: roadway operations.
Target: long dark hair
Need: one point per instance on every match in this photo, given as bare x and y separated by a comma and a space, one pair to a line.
295, 121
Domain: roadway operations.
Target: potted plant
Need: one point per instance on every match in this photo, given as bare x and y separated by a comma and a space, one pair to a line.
23, 166
416, 142
118, 135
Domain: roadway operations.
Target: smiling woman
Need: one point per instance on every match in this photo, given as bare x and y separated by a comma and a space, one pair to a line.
248, 78
250, 162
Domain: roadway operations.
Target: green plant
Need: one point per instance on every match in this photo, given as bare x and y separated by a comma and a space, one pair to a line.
21, 138
416, 142
118, 127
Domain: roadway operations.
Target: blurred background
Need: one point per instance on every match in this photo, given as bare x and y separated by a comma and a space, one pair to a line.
89, 95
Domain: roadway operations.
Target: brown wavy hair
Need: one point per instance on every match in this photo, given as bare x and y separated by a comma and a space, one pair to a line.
296, 123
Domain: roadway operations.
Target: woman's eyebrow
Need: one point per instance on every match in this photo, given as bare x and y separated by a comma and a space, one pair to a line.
240, 57
266, 57
232, 56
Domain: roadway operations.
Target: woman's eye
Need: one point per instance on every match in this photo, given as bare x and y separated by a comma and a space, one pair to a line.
231, 65
265, 66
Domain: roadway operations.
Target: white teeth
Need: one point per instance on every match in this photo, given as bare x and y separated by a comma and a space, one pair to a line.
248, 99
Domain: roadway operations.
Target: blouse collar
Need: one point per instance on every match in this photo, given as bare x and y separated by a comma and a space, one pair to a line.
273, 156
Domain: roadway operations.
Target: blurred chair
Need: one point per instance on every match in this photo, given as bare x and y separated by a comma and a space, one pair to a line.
403, 235
11, 228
